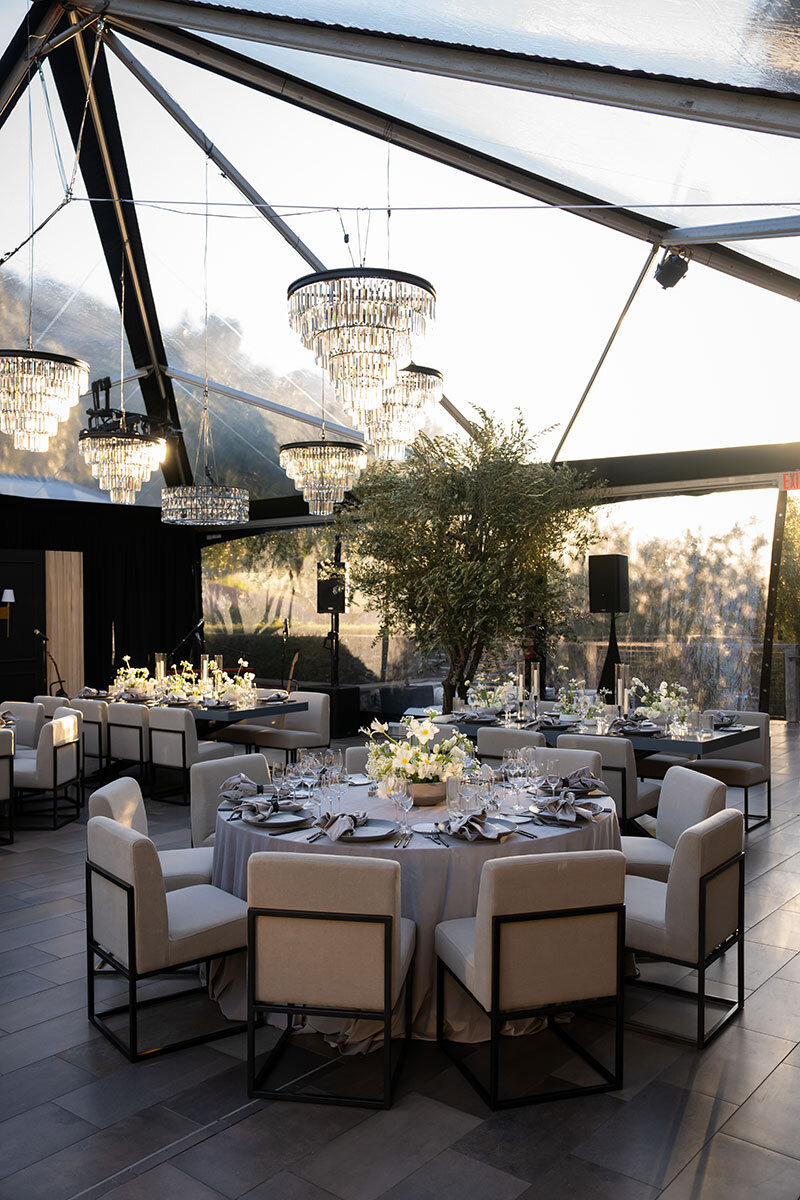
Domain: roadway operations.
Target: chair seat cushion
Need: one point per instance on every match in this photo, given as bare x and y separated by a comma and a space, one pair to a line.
655, 766
645, 914
186, 868
206, 751
734, 772
647, 797
647, 856
25, 771
204, 921
240, 734
285, 739
455, 946
21, 752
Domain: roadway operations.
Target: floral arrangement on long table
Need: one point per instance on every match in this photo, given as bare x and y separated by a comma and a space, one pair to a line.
669, 699
491, 693
414, 759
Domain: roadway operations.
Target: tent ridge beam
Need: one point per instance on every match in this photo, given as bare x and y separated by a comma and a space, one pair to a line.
744, 108
232, 65
769, 227
170, 105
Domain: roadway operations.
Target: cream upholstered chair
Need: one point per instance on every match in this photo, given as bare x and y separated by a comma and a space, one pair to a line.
205, 781
65, 710
121, 800
744, 766
696, 916
289, 733
50, 704
174, 744
686, 799
547, 938
7, 786
52, 770
570, 760
29, 721
493, 740
355, 760
632, 798
129, 734
349, 956
141, 931
95, 730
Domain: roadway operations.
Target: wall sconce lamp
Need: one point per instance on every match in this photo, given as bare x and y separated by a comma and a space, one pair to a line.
6, 600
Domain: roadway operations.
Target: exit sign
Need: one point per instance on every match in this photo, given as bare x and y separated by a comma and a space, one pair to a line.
791, 481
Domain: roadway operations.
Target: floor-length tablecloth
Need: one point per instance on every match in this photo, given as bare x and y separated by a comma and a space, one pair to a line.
438, 884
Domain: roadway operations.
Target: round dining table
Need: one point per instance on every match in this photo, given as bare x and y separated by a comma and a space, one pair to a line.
439, 883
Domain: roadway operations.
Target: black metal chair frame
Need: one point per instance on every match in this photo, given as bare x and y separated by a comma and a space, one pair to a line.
497, 1016
95, 952
258, 1010
7, 838
21, 793
733, 1007
756, 820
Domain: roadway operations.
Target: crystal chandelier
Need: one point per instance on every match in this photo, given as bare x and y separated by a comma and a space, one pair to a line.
208, 503
391, 420
359, 321
323, 471
37, 390
121, 448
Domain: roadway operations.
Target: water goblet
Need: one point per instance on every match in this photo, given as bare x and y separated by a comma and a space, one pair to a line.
403, 800
551, 770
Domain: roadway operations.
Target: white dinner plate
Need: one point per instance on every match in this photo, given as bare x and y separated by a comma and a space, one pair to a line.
359, 780
375, 830
278, 822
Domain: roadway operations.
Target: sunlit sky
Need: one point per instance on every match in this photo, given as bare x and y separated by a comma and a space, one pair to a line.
526, 296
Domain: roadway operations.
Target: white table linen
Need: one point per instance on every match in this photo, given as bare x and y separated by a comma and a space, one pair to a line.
438, 884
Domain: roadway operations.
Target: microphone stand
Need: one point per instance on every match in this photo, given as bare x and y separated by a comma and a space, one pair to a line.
59, 679
193, 632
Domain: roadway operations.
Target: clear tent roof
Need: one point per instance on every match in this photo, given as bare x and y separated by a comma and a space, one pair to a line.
527, 295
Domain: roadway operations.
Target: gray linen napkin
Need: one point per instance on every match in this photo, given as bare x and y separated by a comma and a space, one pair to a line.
86, 693
471, 826
336, 824
582, 781
239, 787
723, 720
7, 719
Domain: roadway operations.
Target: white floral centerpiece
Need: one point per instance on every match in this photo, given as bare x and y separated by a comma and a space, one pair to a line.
669, 699
494, 694
182, 684
133, 681
571, 697
416, 759
239, 689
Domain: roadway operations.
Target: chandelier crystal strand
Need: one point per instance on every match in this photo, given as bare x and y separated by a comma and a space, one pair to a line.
358, 322
392, 420
207, 503
323, 471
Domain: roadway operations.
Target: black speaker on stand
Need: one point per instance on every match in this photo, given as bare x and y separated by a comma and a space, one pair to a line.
609, 593
332, 598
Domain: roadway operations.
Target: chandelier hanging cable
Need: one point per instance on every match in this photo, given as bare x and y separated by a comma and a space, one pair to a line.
121, 448
323, 471
37, 388
209, 502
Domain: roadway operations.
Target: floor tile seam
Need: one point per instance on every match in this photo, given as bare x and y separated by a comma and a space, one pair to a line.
750, 1142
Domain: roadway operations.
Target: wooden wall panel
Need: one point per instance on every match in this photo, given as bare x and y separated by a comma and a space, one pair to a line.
64, 591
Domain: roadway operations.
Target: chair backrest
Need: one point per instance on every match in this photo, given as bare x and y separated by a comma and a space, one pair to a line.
493, 741
570, 760
49, 704
687, 797
128, 729
57, 752
699, 850
6, 764
173, 737
757, 750
120, 800
95, 726
30, 719
205, 781
355, 760
619, 763
337, 964
318, 718
131, 857
560, 959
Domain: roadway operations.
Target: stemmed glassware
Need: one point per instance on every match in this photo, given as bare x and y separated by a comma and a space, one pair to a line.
402, 797
552, 773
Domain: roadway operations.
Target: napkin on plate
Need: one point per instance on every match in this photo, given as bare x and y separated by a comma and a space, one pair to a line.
239, 787
546, 721
724, 720
582, 783
86, 693
336, 824
265, 696
471, 826
7, 719
566, 810
259, 811
622, 725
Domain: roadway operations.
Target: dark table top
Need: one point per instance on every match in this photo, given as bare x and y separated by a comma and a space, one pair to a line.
690, 746
228, 716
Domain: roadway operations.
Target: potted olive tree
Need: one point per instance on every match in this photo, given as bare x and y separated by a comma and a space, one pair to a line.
465, 545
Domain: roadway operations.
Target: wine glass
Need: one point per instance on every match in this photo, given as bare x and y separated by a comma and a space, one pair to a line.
551, 770
400, 794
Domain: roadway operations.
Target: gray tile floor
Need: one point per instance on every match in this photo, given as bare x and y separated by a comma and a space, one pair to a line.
77, 1120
